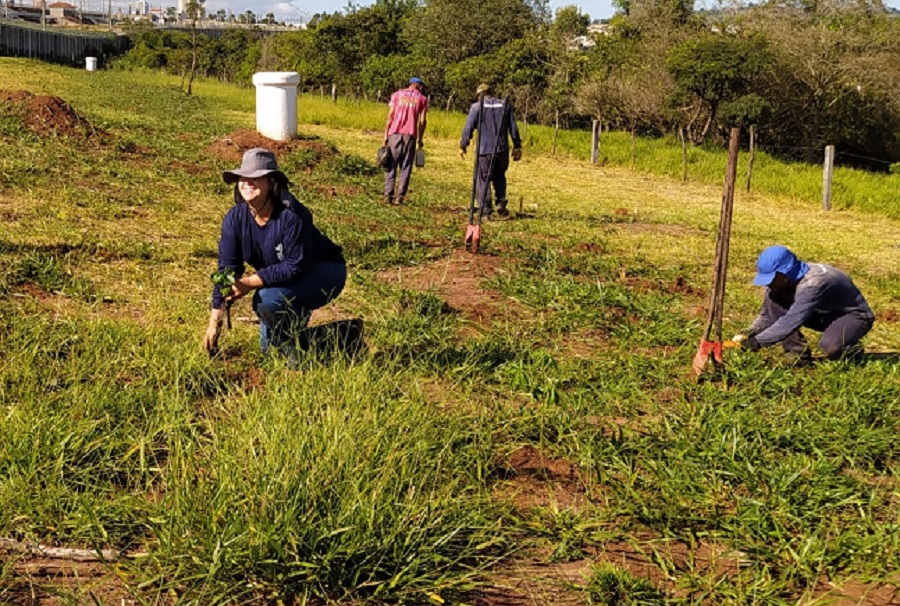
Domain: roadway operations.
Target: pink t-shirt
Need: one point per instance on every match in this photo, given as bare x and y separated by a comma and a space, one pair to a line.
407, 103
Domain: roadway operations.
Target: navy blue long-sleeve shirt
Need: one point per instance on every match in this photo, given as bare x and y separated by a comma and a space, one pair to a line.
279, 251
491, 127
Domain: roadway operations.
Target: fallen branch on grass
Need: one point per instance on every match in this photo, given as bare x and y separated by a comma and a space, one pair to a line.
62, 553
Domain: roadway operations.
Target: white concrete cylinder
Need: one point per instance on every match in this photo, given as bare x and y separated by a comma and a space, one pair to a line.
276, 104
90, 64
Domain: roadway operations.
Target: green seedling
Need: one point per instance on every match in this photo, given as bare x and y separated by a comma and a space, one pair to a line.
224, 280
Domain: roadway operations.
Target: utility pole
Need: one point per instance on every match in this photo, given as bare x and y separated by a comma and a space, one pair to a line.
110, 15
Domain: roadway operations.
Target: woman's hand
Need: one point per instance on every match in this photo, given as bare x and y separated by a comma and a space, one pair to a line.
243, 286
211, 338
238, 290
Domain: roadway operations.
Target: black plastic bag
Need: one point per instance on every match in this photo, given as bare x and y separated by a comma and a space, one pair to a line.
383, 157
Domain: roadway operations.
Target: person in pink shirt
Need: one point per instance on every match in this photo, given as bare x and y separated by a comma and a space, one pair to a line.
405, 128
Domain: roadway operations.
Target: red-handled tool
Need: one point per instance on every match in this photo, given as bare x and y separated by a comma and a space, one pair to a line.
712, 343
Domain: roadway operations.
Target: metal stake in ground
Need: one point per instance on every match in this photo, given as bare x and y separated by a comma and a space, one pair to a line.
473, 230
712, 335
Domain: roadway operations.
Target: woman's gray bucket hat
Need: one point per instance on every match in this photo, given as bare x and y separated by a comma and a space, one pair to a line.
256, 163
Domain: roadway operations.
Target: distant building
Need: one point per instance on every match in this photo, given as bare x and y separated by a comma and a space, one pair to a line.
581, 43
139, 7
598, 28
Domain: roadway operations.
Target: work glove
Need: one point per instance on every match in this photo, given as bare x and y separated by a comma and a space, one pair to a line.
746, 342
517, 154
462, 154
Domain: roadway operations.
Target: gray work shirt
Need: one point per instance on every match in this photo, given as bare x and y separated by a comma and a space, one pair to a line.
824, 290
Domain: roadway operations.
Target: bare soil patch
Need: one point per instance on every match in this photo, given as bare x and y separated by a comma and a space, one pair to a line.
534, 583
889, 315
53, 582
231, 147
188, 167
536, 480
858, 593
47, 115
457, 279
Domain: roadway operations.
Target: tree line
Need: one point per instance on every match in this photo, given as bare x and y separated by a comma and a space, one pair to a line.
805, 73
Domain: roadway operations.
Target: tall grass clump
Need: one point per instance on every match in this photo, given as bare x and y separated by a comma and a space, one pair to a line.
335, 484
611, 586
88, 407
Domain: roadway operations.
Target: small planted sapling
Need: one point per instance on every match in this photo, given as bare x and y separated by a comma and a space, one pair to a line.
224, 280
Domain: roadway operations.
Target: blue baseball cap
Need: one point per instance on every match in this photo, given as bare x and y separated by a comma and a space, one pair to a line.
416, 81
777, 259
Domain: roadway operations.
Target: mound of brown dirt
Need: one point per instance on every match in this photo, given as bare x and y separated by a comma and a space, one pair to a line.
232, 147
47, 116
457, 280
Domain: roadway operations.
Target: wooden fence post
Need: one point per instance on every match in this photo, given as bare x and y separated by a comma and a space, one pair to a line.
556, 132
334, 93
595, 141
826, 177
683, 155
752, 153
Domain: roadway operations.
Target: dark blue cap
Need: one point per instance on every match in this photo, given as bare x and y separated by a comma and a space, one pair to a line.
775, 259
415, 80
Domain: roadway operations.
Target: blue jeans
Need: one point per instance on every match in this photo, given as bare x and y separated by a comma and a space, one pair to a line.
284, 310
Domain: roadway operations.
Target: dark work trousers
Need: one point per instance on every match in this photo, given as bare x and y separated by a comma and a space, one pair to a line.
403, 151
284, 310
839, 332
497, 177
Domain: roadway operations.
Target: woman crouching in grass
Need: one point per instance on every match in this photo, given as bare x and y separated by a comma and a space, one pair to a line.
298, 269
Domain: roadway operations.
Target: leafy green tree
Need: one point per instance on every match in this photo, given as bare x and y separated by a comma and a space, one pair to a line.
382, 75
565, 65
463, 78
343, 43
454, 30
835, 79
570, 22
715, 68
234, 57
525, 74
195, 11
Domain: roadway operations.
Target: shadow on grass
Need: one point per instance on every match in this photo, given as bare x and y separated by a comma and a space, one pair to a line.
340, 337
880, 356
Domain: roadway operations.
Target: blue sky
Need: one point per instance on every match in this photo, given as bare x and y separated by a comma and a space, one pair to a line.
297, 10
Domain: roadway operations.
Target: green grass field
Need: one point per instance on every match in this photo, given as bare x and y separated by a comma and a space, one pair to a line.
523, 427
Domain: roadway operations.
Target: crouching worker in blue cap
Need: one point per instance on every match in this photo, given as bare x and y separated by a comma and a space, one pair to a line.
298, 269
811, 295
